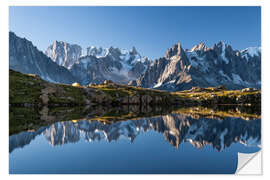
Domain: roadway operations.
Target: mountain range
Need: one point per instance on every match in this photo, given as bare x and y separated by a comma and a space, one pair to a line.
201, 66
179, 69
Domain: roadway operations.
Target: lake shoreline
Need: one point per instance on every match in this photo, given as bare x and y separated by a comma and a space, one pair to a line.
30, 90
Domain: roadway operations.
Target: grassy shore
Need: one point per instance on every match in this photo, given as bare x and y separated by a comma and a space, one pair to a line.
31, 90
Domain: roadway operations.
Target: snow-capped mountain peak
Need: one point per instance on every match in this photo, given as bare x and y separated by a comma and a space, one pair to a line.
119, 65
116, 53
204, 67
251, 51
97, 51
178, 70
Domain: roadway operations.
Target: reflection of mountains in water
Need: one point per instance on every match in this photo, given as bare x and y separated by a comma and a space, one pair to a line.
176, 128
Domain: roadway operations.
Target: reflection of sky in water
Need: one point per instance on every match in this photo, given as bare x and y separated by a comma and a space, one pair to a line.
142, 146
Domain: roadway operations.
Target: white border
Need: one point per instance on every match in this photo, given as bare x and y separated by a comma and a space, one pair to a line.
4, 77
137, 2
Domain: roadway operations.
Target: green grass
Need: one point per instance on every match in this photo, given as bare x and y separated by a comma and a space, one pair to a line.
23, 88
66, 94
230, 111
208, 95
27, 89
125, 90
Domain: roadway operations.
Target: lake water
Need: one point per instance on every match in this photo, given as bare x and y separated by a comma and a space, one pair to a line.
173, 143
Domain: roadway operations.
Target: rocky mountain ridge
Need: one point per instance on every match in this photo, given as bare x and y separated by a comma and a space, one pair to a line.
118, 65
201, 66
179, 69
99, 64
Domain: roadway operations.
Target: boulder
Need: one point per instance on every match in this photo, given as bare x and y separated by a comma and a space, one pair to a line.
106, 82
125, 100
196, 88
158, 100
134, 99
222, 87
92, 84
146, 99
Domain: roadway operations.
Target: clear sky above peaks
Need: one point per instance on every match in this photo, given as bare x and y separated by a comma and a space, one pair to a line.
152, 30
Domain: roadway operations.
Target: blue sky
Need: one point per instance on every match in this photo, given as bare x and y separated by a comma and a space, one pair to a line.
152, 30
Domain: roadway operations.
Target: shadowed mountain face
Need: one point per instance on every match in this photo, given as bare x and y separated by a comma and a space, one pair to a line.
176, 129
26, 58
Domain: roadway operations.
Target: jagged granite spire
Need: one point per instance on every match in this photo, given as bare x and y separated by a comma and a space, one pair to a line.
175, 50
63, 53
204, 67
199, 47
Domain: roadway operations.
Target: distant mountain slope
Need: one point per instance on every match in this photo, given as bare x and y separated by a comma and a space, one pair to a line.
202, 66
99, 64
26, 58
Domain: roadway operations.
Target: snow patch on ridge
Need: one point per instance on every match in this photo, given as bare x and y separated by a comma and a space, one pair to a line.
157, 85
223, 54
197, 61
250, 51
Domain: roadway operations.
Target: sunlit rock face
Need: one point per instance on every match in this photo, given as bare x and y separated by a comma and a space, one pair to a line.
201, 66
63, 53
176, 129
62, 133
26, 58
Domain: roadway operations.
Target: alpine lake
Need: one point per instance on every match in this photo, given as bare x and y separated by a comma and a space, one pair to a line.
131, 139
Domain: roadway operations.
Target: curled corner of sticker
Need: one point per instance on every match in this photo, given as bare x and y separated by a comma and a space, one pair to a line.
249, 164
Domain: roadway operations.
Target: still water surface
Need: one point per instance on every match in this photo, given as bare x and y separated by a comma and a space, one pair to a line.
173, 143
